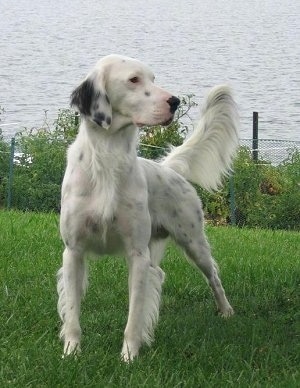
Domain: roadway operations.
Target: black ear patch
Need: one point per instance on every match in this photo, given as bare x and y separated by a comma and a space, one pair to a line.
93, 102
83, 96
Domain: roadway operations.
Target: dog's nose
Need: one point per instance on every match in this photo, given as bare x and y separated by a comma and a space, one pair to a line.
173, 102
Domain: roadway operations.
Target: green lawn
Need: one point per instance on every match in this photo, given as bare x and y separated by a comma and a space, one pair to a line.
258, 347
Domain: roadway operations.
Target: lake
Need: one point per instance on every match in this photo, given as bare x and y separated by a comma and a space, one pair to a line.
47, 47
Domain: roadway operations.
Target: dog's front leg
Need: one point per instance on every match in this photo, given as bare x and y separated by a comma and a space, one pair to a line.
71, 284
139, 263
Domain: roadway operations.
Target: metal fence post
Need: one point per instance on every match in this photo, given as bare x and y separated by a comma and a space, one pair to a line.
255, 137
76, 118
232, 201
11, 172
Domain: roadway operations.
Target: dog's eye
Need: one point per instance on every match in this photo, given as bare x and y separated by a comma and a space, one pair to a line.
134, 80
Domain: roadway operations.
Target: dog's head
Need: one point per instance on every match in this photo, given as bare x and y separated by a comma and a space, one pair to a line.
120, 91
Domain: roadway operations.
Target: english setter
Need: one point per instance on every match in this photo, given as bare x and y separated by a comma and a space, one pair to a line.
113, 201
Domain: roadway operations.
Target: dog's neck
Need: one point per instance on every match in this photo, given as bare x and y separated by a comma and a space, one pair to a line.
107, 159
119, 122
116, 149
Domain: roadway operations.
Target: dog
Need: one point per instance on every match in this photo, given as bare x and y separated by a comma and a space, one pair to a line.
116, 202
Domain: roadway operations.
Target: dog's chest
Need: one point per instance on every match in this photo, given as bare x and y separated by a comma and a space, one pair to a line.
102, 238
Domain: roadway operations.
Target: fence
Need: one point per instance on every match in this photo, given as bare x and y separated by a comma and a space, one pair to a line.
272, 151
26, 188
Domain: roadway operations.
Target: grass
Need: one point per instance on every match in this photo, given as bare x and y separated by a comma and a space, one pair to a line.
258, 347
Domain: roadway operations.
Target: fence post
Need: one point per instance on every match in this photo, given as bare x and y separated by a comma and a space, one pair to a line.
232, 201
11, 172
76, 118
255, 137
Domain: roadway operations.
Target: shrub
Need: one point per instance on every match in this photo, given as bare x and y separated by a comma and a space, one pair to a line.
41, 163
287, 210
267, 196
4, 165
4, 169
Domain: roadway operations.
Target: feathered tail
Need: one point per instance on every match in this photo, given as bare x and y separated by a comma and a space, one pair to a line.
206, 156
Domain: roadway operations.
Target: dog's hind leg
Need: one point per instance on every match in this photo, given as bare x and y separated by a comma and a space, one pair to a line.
201, 256
198, 251
71, 284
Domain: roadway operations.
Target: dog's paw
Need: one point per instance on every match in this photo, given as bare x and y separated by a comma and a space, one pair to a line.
128, 353
125, 357
226, 313
71, 348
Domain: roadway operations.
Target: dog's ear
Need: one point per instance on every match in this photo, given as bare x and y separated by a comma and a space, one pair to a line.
93, 102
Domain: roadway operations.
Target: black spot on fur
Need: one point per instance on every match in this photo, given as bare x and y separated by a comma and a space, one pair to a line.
139, 206
181, 184
159, 232
147, 94
81, 157
108, 120
185, 190
99, 117
92, 225
199, 214
177, 181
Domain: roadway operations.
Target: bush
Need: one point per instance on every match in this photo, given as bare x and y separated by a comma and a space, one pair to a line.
216, 205
266, 196
40, 165
4, 165
4, 169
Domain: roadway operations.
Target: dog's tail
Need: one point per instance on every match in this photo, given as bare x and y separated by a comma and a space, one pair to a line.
206, 156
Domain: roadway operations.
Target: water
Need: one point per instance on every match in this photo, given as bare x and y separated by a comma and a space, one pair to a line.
46, 48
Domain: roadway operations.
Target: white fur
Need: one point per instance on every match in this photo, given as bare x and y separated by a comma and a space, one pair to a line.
206, 156
113, 201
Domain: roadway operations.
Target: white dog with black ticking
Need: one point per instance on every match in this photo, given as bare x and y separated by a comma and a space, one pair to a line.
115, 202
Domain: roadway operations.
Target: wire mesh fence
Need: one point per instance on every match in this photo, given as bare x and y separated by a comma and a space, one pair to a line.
271, 150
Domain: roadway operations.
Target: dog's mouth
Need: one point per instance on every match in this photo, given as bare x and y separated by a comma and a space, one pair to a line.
163, 124
168, 122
